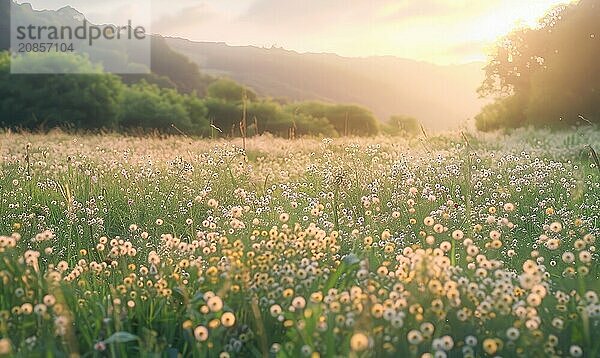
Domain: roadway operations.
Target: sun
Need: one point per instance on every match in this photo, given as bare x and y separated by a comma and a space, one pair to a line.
504, 19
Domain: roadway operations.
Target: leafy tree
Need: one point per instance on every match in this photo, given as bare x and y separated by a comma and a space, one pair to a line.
198, 112
307, 125
225, 116
402, 125
503, 113
43, 101
146, 106
91, 101
345, 119
551, 73
270, 117
230, 91
264, 116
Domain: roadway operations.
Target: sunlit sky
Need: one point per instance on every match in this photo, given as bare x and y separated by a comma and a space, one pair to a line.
438, 31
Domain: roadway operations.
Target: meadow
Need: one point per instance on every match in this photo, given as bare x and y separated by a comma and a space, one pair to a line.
453, 245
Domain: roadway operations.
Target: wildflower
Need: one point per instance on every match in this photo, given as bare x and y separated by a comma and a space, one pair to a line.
26, 308
5, 346
552, 244
427, 328
414, 337
275, 348
228, 319
299, 302
100, 346
447, 343
557, 323
359, 342
214, 323
429, 221
445, 246
576, 351
512, 333
40, 309
471, 341
49, 300
495, 235
568, 257
201, 333
585, 257
556, 226
275, 310
457, 235
215, 304
490, 346
187, 324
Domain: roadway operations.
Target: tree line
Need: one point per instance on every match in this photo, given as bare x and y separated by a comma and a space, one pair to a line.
175, 97
155, 102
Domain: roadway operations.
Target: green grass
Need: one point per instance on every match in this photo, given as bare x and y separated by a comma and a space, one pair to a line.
119, 246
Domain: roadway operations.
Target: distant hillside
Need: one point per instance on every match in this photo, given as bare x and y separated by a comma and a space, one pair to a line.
441, 97
4, 24
169, 68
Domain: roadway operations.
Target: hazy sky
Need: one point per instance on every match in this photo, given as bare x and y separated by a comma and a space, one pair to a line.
439, 31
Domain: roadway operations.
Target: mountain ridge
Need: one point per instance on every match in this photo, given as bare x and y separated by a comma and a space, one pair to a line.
179, 38
440, 96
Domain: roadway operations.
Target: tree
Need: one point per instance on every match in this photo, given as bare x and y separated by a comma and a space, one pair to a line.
346, 119
47, 100
229, 91
549, 76
307, 125
146, 107
224, 115
402, 125
270, 117
503, 113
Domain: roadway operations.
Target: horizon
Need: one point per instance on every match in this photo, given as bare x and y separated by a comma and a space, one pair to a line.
439, 32
273, 47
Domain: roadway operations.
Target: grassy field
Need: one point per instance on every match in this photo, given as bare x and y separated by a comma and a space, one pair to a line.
452, 245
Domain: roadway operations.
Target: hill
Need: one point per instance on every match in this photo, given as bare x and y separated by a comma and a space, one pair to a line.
169, 69
441, 97
4, 24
